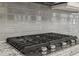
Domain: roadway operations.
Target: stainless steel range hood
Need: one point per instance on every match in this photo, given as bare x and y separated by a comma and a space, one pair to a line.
62, 6
69, 6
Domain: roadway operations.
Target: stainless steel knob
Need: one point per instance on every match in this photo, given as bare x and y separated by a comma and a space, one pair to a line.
44, 48
44, 52
64, 44
53, 48
73, 42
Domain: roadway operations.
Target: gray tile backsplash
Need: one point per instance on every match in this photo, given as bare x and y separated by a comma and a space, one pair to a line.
33, 18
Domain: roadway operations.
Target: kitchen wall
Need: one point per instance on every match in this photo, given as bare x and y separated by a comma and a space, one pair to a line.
18, 19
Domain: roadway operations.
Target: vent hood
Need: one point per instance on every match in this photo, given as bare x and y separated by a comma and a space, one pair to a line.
62, 6
69, 6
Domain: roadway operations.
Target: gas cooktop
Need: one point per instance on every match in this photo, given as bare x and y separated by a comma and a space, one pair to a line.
42, 44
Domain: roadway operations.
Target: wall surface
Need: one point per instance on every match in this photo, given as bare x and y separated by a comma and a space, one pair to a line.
28, 18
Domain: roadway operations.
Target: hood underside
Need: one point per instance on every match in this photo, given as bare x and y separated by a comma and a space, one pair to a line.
62, 6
